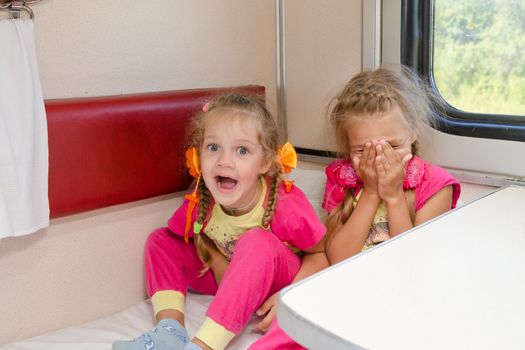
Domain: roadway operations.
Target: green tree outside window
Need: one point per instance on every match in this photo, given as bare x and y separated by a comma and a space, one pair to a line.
479, 55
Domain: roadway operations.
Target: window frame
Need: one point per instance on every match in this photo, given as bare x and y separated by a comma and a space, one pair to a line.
417, 19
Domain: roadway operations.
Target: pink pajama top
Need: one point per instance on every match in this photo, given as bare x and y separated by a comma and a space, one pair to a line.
294, 221
426, 179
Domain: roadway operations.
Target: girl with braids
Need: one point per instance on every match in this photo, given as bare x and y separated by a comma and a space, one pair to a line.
235, 236
381, 187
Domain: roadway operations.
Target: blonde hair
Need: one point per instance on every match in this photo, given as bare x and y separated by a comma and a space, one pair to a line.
252, 108
370, 94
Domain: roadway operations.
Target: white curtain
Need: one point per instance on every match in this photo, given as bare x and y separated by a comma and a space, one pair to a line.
24, 204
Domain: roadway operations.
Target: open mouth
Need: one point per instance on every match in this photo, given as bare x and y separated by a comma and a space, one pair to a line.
225, 183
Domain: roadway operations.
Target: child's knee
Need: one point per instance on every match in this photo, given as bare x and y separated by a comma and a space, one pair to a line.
258, 240
157, 237
161, 238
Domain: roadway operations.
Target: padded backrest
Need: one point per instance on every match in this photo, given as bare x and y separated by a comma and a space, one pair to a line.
117, 149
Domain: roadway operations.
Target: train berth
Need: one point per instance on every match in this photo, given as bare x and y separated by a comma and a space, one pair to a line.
116, 173
134, 320
127, 324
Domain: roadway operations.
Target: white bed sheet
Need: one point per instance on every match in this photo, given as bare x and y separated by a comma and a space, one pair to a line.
127, 324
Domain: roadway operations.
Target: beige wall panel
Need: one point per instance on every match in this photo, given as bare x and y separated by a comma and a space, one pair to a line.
323, 51
82, 267
96, 47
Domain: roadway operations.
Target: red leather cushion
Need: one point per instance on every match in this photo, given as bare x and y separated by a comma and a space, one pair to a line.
117, 149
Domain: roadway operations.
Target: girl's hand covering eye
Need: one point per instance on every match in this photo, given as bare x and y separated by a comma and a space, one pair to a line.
391, 170
365, 168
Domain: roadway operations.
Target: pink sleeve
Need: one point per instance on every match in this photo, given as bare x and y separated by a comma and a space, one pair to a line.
334, 193
295, 221
437, 179
177, 222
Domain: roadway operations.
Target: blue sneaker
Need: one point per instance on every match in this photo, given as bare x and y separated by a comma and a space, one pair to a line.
167, 335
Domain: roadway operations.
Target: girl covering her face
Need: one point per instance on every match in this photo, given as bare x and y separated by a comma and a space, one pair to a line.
381, 187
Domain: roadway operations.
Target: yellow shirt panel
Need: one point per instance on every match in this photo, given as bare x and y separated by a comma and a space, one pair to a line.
225, 230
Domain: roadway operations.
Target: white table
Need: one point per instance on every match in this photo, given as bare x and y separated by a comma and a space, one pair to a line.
456, 282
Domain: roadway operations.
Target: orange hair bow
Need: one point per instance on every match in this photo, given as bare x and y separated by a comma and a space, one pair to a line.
193, 164
288, 161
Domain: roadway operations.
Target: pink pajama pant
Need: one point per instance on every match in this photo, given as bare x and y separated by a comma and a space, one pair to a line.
260, 266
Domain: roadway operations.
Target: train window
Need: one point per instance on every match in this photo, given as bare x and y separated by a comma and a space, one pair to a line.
478, 48
472, 54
